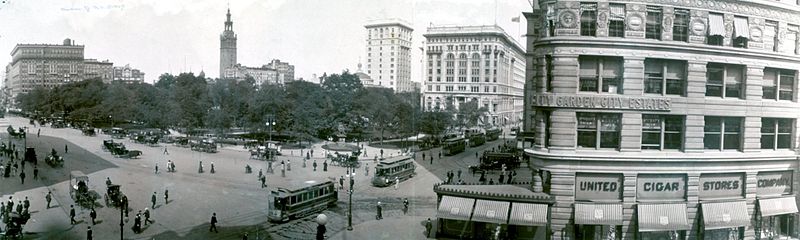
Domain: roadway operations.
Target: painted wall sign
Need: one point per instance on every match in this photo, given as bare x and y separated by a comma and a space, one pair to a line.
774, 183
661, 187
601, 102
598, 186
721, 185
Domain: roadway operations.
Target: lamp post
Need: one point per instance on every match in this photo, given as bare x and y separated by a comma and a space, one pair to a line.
121, 223
270, 123
350, 201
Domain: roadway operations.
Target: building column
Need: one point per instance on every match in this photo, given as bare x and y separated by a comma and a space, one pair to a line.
751, 183
693, 205
695, 119
562, 188
629, 205
633, 82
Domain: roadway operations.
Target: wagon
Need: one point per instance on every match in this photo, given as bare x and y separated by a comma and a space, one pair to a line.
79, 189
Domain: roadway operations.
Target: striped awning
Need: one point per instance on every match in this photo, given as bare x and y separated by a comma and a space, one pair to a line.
777, 206
741, 28
662, 217
490, 211
455, 208
716, 25
598, 214
616, 12
528, 214
725, 215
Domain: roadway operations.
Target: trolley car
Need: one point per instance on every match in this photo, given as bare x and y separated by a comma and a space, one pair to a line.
453, 146
400, 167
310, 198
493, 134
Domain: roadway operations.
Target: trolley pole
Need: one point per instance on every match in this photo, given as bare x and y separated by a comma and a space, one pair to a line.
350, 204
121, 223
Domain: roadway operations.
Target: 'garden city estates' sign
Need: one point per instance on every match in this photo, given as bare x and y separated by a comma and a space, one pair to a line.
601, 102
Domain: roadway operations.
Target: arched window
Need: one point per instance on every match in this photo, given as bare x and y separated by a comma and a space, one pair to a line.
451, 56
462, 56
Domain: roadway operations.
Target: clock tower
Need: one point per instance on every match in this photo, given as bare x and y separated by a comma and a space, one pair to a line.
227, 47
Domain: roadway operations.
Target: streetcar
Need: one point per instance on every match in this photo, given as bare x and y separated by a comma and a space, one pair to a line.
400, 167
493, 134
453, 146
309, 198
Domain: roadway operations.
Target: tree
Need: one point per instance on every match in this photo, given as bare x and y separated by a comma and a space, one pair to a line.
191, 97
469, 114
434, 123
340, 92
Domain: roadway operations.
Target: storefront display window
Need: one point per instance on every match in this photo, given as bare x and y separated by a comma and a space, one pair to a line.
599, 232
724, 234
777, 227
665, 235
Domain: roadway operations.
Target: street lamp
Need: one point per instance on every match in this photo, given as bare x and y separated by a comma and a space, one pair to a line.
121, 223
270, 123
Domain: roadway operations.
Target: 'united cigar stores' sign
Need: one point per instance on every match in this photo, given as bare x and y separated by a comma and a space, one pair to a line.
601, 102
661, 187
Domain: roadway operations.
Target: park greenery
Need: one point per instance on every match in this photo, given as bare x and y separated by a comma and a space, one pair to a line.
302, 110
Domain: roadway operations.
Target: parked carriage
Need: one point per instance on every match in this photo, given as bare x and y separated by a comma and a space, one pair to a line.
309, 198
389, 169
119, 150
118, 133
496, 160
181, 142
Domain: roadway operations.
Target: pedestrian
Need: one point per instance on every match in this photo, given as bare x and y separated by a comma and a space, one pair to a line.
491, 181
423, 155
137, 222
213, 223
125, 204
66, 150
288, 165
19, 207
93, 215
325, 166
440, 155
283, 169
212, 168
22, 176
10, 204
244, 237
500, 179
166, 196
89, 232
146, 216
341, 182
405, 206
314, 164
165, 151
156, 168
38, 132
263, 181
27, 203
380, 212
428, 227
153, 200
35, 173
72, 215
381, 153
459, 173
366, 170
476, 154
396, 182
260, 173
431, 159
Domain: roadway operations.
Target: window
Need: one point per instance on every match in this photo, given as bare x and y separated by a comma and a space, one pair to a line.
438, 79
661, 132
716, 29
448, 79
448, 88
741, 32
438, 88
588, 19
548, 62
680, 26
770, 37
598, 130
776, 133
653, 25
475, 79
450, 71
551, 19
778, 84
722, 133
724, 80
664, 76
600, 74
475, 89
430, 88
616, 20
494, 88
790, 43
486, 89
462, 88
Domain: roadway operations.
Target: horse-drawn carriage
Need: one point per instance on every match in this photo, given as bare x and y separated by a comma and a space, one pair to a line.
205, 145
14, 225
53, 159
118, 149
345, 160
79, 189
18, 133
268, 152
114, 196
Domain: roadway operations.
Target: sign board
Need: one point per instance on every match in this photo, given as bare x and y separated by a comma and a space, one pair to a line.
661, 187
721, 185
598, 186
774, 183
601, 102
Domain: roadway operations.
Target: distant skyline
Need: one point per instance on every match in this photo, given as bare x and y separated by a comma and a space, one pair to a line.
316, 36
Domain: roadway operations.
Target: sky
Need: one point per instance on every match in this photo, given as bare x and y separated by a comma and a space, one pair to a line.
174, 36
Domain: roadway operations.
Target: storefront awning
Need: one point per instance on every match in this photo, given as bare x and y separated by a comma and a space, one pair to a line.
725, 215
490, 211
716, 25
598, 214
777, 206
662, 217
528, 214
455, 208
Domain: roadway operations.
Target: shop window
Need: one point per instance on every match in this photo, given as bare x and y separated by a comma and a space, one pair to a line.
777, 227
722, 133
599, 232
724, 80
778, 84
588, 19
680, 26
598, 130
663, 235
600, 74
776, 133
724, 234
661, 132
616, 20
653, 25
665, 77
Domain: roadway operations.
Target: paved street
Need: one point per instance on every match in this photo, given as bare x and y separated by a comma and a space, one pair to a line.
236, 197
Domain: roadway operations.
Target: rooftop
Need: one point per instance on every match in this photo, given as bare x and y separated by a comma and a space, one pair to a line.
388, 22
445, 30
517, 192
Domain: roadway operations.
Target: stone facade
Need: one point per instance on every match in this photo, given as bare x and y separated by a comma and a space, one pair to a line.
389, 53
43, 65
227, 48
678, 95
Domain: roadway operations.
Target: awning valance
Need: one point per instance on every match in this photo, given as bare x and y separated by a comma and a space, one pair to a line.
725, 215
777, 206
716, 25
616, 12
455, 208
490, 211
741, 28
528, 214
662, 217
598, 213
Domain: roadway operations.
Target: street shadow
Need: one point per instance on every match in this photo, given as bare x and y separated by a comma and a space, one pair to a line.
78, 159
257, 231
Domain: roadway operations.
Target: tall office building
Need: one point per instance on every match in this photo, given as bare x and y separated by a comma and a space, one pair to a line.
474, 63
389, 53
227, 47
664, 119
44, 65
98, 69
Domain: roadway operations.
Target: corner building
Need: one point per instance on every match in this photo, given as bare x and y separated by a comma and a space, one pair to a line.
665, 119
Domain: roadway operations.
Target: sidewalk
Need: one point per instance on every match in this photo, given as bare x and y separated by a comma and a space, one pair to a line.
402, 228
